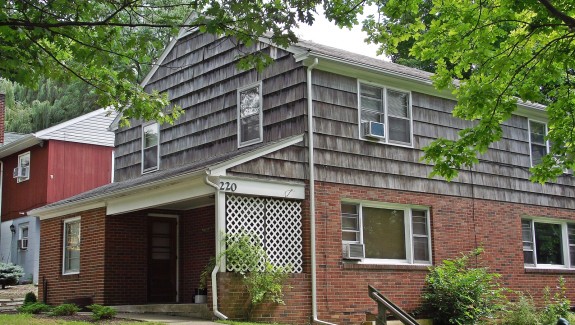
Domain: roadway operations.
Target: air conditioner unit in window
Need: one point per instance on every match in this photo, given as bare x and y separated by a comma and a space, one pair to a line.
374, 130
23, 244
353, 251
21, 172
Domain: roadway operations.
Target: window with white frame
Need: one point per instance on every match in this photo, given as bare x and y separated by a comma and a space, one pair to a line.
539, 147
385, 114
150, 147
250, 129
386, 233
548, 243
22, 172
71, 256
23, 237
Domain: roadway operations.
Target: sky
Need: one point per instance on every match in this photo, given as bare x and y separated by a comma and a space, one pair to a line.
326, 33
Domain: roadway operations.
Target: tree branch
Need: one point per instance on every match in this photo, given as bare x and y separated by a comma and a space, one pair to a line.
569, 21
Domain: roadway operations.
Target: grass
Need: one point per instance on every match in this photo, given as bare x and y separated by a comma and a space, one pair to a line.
23, 319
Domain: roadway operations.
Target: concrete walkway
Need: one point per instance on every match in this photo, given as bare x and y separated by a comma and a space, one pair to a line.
165, 319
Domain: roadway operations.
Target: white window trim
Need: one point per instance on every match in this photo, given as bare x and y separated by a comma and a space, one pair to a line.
20, 180
21, 228
409, 234
564, 243
66, 222
157, 167
239, 127
386, 140
529, 137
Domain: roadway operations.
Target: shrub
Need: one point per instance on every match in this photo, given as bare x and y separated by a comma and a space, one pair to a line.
459, 294
263, 280
522, 312
33, 308
10, 274
101, 312
30, 298
65, 310
556, 305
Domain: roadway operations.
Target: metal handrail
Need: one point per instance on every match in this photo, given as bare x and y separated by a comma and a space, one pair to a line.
384, 305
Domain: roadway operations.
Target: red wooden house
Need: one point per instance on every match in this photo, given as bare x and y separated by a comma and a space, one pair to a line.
44, 167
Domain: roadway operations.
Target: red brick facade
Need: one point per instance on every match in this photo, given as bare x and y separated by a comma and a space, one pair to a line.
457, 225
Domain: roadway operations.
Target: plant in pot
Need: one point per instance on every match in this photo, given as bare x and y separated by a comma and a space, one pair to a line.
201, 296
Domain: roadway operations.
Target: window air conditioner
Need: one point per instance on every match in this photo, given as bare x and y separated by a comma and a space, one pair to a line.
21, 172
23, 244
353, 251
373, 129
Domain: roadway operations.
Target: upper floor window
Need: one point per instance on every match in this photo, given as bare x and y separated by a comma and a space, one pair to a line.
250, 129
71, 256
150, 147
385, 115
22, 172
548, 243
539, 147
386, 233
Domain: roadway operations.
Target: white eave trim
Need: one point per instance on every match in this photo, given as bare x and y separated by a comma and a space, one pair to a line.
21, 144
220, 169
67, 210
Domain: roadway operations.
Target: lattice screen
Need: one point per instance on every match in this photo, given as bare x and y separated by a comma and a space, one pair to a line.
276, 222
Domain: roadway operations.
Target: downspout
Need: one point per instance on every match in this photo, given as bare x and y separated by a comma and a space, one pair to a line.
312, 194
217, 313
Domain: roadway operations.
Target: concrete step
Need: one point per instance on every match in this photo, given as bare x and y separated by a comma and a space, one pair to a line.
184, 310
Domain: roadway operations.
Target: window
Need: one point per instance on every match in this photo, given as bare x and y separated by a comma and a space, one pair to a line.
388, 233
250, 128
150, 147
548, 244
23, 237
22, 172
71, 260
385, 115
539, 147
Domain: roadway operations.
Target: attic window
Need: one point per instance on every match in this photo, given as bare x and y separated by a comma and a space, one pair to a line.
250, 128
22, 172
150, 147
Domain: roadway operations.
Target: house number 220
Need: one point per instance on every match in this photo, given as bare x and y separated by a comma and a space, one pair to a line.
227, 186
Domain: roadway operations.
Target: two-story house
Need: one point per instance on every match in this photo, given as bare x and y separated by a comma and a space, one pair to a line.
45, 167
319, 156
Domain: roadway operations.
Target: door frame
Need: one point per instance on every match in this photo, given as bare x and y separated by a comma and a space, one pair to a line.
177, 217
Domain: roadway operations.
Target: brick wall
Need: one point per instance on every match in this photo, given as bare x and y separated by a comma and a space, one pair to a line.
90, 281
457, 224
197, 245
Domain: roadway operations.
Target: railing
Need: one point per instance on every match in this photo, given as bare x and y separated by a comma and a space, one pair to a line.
384, 305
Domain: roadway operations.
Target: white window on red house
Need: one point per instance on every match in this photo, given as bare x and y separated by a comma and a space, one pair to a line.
250, 129
22, 171
71, 256
150, 147
548, 243
539, 147
385, 233
385, 115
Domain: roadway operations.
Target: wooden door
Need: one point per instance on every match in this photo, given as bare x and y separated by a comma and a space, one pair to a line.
162, 260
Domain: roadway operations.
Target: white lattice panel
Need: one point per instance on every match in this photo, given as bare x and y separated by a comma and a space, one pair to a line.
276, 222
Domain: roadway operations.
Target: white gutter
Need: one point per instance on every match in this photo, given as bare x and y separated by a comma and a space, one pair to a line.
312, 193
217, 313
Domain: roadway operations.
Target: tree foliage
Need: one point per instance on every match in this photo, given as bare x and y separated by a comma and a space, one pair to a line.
10, 274
502, 52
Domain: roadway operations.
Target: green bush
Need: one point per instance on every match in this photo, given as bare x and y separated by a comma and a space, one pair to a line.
457, 293
65, 310
263, 280
101, 312
522, 312
556, 304
30, 298
10, 274
33, 308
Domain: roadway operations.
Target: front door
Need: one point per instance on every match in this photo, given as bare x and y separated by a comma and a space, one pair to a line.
162, 257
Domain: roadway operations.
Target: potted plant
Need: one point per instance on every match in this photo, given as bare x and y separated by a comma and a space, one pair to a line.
201, 296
